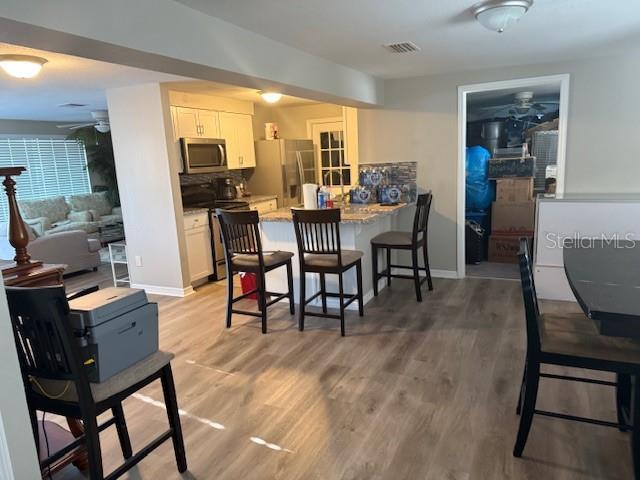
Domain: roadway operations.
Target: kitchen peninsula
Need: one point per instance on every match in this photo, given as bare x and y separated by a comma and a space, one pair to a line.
359, 224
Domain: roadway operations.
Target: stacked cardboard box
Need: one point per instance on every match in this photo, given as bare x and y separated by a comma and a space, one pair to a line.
512, 217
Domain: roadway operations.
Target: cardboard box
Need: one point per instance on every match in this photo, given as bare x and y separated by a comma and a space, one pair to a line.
512, 167
504, 248
514, 190
513, 218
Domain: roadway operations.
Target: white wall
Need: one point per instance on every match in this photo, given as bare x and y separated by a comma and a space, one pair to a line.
18, 455
31, 127
419, 123
291, 119
164, 35
141, 132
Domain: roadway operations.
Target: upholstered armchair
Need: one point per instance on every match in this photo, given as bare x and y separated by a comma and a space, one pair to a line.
73, 248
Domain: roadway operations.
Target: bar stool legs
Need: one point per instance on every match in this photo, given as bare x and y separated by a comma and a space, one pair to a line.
340, 295
323, 289
416, 273
425, 255
374, 267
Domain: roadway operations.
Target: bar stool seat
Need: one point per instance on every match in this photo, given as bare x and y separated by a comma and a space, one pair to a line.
319, 251
410, 241
271, 260
243, 253
349, 257
394, 239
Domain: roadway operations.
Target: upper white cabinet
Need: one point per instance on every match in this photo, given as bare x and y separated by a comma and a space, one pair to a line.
237, 131
235, 128
193, 122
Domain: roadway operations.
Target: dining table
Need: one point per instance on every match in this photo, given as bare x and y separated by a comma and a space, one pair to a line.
604, 276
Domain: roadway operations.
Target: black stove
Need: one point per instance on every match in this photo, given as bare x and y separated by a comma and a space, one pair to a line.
204, 195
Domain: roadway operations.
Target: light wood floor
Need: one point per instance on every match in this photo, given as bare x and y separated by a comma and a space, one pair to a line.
415, 391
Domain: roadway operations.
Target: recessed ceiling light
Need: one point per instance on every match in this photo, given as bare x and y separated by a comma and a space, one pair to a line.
270, 97
498, 15
22, 66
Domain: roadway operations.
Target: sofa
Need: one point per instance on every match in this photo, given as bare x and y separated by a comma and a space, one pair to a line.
73, 248
87, 212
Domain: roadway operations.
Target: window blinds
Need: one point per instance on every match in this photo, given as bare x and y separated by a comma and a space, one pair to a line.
54, 167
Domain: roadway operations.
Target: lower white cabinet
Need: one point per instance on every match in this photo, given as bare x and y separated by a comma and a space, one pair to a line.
264, 206
198, 239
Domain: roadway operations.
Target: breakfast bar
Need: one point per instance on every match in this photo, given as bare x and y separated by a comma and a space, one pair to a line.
359, 224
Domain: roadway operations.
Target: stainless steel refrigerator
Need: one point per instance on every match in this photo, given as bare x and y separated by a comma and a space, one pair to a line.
282, 167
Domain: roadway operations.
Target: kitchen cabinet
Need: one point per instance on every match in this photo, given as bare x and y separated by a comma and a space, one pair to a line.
193, 122
198, 243
264, 206
237, 131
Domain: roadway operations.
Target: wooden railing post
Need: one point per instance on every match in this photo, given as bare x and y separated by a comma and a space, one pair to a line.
18, 236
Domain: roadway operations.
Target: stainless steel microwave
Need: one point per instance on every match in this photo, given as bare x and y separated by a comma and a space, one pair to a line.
203, 155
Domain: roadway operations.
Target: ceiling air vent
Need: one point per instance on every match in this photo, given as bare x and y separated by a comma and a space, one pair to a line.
402, 47
73, 105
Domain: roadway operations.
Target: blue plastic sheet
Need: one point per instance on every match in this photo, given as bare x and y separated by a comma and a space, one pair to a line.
480, 191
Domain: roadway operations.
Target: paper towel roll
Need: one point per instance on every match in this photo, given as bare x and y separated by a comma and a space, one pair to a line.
309, 194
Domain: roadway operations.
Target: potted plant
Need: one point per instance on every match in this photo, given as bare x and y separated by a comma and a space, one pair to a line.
100, 160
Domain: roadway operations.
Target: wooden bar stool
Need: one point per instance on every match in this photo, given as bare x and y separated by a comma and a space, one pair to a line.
411, 241
243, 253
318, 237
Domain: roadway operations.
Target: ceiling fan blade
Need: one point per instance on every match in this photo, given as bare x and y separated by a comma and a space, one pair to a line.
74, 126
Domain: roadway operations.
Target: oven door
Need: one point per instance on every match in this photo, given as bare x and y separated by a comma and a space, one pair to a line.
203, 155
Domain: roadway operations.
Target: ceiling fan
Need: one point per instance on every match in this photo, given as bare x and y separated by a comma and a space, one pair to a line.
523, 105
100, 122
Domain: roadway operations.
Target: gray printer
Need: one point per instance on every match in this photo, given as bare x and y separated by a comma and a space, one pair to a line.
116, 328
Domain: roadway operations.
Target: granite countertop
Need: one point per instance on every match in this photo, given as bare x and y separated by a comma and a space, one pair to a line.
194, 211
258, 198
351, 214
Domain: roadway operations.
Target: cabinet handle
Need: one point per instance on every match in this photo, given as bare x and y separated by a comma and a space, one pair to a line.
241, 159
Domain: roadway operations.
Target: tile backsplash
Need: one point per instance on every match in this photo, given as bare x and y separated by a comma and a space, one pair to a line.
197, 178
400, 174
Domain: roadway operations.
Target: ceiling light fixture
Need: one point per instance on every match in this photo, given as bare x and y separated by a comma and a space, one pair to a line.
22, 66
270, 97
499, 15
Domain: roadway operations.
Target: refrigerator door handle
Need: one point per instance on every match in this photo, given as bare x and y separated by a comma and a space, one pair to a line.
300, 175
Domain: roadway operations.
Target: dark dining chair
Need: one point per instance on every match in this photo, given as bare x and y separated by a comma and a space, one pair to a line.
319, 251
56, 381
243, 253
570, 340
409, 241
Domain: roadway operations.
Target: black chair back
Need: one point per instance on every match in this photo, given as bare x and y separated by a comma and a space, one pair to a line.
240, 232
421, 218
317, 231
44, 339
532, 312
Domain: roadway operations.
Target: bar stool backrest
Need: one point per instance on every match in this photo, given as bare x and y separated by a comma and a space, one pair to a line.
317, 231
44, 340
532, 312
240, 232
421, 218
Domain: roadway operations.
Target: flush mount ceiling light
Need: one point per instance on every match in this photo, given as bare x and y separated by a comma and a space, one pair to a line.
22, 66
498, 15
270, 97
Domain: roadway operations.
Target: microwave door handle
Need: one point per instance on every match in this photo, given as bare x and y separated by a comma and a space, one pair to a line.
223, 156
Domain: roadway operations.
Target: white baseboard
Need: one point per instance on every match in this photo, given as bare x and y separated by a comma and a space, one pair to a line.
434, 273
444, 273
168, 291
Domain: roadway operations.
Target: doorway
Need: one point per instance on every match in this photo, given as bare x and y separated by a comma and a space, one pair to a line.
499, 126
